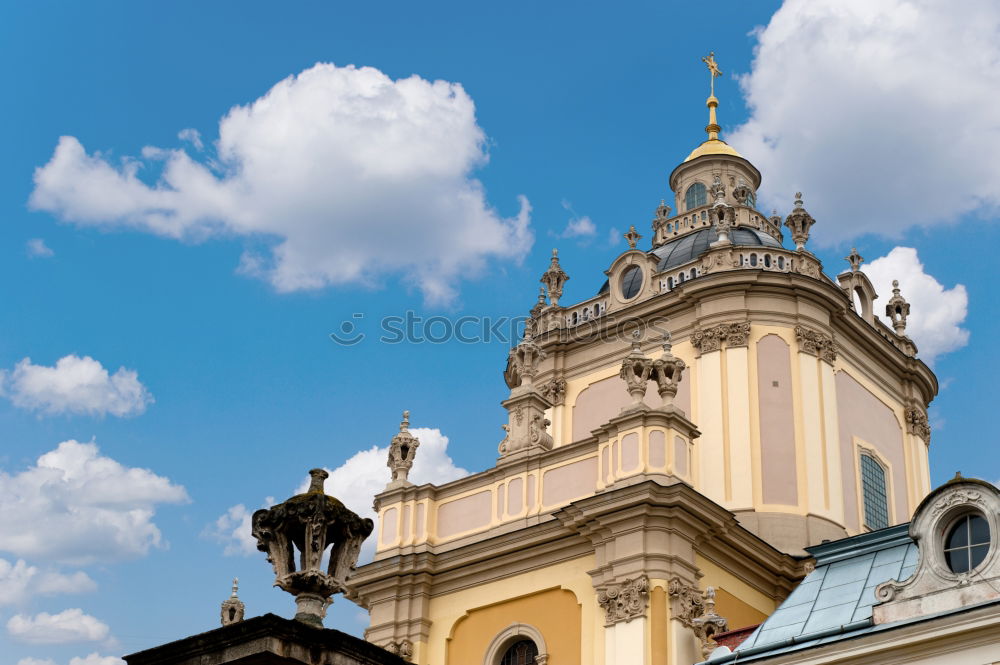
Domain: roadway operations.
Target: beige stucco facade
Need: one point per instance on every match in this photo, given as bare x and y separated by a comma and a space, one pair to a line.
608, 514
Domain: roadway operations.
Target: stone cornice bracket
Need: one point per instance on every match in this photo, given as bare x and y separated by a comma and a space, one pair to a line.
816, 343
554, 279
635, 372
707, 340
917, 423
799, 222
402, 452
624, 601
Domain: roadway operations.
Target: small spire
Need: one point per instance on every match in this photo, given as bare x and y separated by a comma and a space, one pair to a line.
404, 425
402, 452
897, 309
232, 609
554, 279
798, 200
236, 587
713, 127
632, 237
799, 222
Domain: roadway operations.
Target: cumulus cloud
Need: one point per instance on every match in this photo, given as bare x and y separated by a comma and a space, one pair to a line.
37, 249
936, 313
355, 483
20, 582
192, 136
74, 385
78, 507
96, 659
341, 175
66, 627
851, 105
577, 226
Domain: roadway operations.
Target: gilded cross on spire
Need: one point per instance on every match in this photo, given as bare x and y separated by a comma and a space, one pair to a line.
713, 69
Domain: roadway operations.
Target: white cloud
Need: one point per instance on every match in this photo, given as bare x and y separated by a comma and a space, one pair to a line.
77, 507
192, 136
95, 659
66, 627
355, 483
341, 174
936, 313
38, 249
882, 112
614, 237
20, 582
75, 385
578, 227
36, 661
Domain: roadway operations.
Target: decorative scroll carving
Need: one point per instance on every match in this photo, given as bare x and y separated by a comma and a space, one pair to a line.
402, 452
688, 603
816, 343
403, 649
917, 424
624, 601
554, 279
706, 340
555, 391
971, 497
310, 523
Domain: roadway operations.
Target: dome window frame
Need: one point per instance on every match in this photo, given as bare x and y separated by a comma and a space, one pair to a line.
964, 519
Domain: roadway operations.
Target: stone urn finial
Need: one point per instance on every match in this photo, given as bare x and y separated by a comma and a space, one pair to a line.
233, 608
554, 279
799, 222
635, 372
402, 452
667, 372
897, 309
309, 524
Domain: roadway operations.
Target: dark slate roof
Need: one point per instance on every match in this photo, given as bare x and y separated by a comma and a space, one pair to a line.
689, 247
835, 600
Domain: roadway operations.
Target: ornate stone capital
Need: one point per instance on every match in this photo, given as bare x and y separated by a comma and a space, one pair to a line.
707, 340
555, 391
687, 603
917, 424
816, 343
625, 601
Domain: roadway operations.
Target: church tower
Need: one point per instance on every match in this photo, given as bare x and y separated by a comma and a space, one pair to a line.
673, 444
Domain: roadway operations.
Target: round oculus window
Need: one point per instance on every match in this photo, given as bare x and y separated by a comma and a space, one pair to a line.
967, 543
631, 282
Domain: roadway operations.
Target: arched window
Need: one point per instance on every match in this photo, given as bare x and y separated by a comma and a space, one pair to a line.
520, 653
767, 260
873, 492
753, 260
694, 273
670, 282
781, 263
696, 195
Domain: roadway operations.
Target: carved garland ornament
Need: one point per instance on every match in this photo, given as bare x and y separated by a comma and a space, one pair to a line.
816, 343
624, 601
711, 339
555, 391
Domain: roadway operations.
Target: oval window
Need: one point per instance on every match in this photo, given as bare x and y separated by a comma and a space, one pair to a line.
631, 282
967, 543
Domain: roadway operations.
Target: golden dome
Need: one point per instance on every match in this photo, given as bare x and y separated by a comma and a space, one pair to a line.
713, 147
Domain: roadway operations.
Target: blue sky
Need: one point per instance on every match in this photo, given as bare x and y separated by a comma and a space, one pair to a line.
232, 388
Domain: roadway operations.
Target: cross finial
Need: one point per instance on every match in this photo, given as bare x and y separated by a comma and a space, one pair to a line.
854, 259
713, 69
632, 237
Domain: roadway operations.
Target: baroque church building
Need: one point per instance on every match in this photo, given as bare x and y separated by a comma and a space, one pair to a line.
675, 443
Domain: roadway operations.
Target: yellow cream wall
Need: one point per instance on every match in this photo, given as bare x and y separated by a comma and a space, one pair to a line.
781, 429
559, 601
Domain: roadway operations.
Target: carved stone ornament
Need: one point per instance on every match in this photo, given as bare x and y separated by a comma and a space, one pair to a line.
403, 649
554, 279
707, 340
897, 309
402, 452
799, 222
635, 372
632, 237
688, 602
555, 391
233, 609
309, 524
660, 221
668, 370
709, 624
718, 191
917, 424
854, 259
625, 601
724, 218
816, 343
